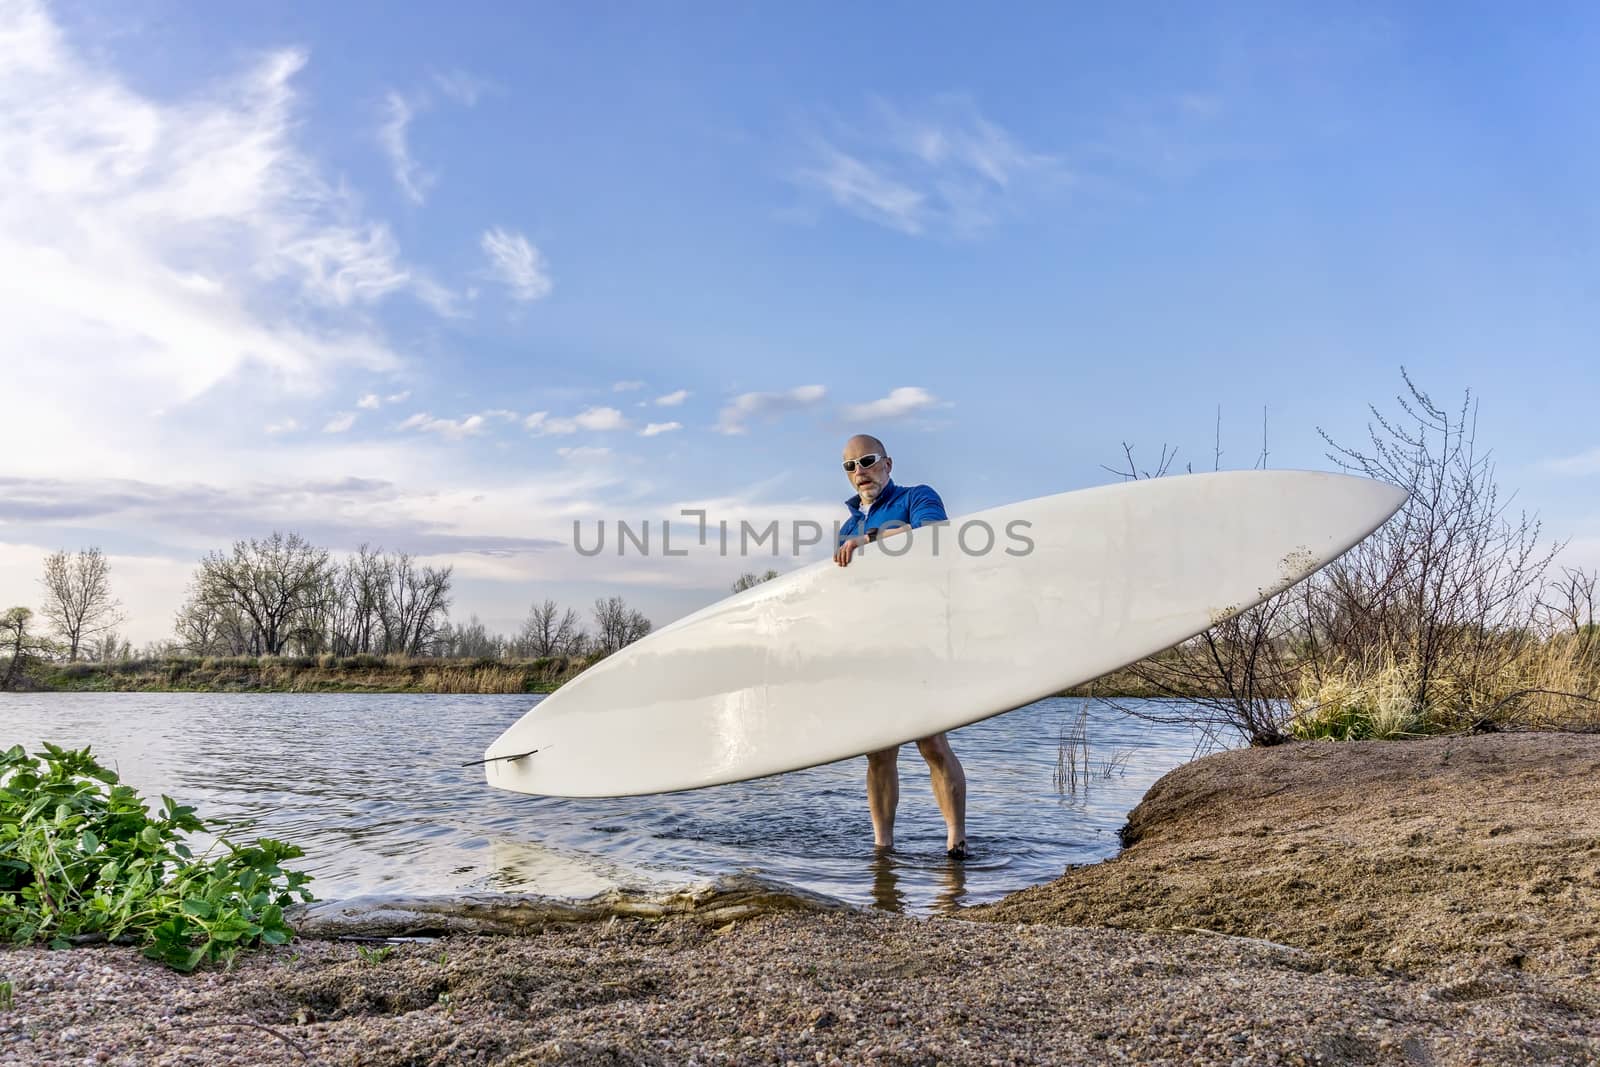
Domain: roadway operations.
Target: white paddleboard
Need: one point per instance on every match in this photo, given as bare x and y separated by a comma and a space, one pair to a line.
922, 636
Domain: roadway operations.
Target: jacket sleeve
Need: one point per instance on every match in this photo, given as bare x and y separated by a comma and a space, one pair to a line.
846, 531
925, 506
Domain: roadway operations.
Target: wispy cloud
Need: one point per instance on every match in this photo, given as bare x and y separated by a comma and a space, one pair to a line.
861, 189
514, 261
583, 452
629, 386
942, 168
906, 400
460, 86
450, 429
594, 419
340, 422
734, 417
288, 425
160, 251
393, 136
673, 399
652, 429
1576, 465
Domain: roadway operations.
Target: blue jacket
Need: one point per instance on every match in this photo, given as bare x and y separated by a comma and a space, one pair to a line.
899, 505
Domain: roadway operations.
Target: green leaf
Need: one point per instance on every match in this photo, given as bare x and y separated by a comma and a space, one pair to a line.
200, 909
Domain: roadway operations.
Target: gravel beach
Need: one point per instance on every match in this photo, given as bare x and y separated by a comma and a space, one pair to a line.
1428, 902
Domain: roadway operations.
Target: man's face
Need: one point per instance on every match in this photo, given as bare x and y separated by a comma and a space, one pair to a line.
868, 481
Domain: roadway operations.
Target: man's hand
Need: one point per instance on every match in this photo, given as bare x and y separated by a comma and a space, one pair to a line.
842, 554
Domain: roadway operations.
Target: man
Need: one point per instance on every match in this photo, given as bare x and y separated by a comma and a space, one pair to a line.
882, 508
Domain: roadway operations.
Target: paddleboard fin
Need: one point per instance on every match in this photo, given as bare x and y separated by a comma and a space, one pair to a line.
496, 759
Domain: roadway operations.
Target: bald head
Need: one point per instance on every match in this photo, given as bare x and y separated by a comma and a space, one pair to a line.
868, 480
863, 443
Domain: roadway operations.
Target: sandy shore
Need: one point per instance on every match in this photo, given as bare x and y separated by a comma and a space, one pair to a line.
1431, 902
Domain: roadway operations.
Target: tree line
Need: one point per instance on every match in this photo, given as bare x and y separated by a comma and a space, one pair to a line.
282, 596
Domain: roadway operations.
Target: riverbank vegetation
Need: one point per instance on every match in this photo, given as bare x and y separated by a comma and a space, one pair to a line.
1451, 617
83, 859
366, 673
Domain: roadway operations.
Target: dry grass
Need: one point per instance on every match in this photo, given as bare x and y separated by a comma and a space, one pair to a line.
320, 674
1548, 684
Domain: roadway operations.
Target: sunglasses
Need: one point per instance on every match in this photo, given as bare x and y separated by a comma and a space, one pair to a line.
866, 462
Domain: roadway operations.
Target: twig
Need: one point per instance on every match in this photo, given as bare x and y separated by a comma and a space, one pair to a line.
285, 1038
1542, 692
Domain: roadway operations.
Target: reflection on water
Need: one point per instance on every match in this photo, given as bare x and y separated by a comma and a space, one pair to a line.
948, 882
373, 787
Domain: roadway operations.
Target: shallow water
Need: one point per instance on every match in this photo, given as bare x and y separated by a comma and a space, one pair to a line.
373, 788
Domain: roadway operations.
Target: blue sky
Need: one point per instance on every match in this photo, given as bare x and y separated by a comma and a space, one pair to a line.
323, 266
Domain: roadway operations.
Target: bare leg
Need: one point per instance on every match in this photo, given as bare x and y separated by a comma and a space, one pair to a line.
949, 786
883, 793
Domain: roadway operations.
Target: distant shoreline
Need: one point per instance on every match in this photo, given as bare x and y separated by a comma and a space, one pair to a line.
386, 674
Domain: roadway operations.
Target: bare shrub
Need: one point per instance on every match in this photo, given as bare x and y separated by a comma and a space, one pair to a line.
1441, 620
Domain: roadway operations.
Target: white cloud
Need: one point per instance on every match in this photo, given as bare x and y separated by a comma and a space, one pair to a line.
397, 398
601, 419
340, 422
654, 428
583, 452
451, 429
906, 400
943, 168
460, 86
744, 407
859, 188
517, 263
392, 135
1579, 464
368, 402
628, 386
157, 254
597, 418
673, 399
288, 425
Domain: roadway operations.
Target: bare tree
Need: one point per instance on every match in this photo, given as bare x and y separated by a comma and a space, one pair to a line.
78, 602
414, 604
270, 584
109, 647
616, 625
750, 580
19, 648
1570, 602
359, 594
548, 631
469, 639
1455, 577
209, 624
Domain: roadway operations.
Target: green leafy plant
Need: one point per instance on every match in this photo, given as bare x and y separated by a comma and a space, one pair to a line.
82, 858
374, 955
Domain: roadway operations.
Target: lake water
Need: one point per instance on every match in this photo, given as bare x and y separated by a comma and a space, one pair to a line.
373, 788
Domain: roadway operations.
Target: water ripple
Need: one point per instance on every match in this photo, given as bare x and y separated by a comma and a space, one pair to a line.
371, 785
